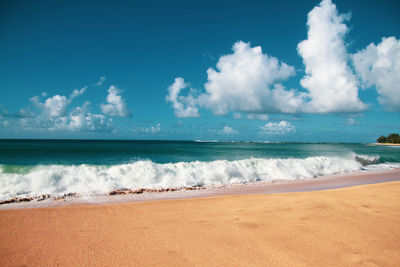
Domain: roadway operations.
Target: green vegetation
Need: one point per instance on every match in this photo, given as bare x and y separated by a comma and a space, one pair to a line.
393, 138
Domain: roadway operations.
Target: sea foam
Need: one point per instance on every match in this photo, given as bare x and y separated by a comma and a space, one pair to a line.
88, 180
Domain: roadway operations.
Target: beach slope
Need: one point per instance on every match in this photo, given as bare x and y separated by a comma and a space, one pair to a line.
347, 226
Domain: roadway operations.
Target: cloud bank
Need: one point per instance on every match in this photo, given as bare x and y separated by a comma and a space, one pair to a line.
249, 82
54, 113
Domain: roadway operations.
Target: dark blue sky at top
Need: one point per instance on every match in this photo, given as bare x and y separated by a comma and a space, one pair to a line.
141, 46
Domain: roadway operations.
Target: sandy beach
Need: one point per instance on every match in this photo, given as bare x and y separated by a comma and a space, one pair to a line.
385, 144
341, 227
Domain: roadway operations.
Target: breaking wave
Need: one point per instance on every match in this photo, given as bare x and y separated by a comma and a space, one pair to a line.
367, 160
89, 180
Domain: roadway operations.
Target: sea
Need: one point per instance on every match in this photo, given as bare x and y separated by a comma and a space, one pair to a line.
29, 168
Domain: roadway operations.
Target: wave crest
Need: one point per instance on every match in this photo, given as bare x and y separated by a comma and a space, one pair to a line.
99, 180
367, 159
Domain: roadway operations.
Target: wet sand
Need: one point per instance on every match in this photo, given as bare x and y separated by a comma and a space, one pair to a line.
285, 186
338, 227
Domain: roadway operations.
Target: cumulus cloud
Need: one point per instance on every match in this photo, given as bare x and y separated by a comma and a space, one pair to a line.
278, 128
116, 105
379, 66
81, 119
53, 114
56, 106
331, 84
247, 81
184, 106
228, 130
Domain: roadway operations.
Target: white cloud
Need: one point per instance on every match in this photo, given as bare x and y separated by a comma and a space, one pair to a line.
282, 127
116, 105
331, 84
101, 81
228, 130
184, 106
246, 81
56, 106
77, 92
379, 66
81, 119
52, 114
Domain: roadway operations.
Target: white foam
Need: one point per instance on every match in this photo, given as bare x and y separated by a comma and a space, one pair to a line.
88, 180
382, 167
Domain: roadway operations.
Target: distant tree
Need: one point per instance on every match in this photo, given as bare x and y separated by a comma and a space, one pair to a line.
393, 138
382, 139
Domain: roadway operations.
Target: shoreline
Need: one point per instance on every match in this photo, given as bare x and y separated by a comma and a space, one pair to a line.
340, 227
384, 144
335, 181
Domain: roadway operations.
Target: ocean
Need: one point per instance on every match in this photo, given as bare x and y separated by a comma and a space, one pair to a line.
29, 168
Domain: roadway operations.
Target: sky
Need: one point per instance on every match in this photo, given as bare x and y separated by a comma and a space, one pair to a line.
307, 71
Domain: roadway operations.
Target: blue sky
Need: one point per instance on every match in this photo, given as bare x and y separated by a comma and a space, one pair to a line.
231, 70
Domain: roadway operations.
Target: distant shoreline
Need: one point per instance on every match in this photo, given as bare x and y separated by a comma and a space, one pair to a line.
384, 144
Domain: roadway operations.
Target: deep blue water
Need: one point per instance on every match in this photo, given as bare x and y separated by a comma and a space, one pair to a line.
106, 152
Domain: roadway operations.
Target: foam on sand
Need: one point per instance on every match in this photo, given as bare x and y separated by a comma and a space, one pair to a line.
90, 180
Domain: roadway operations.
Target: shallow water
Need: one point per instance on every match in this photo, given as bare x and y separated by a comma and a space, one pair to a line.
34, 167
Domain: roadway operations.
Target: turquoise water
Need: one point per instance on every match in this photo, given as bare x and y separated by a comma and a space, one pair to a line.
31, 167
69, 152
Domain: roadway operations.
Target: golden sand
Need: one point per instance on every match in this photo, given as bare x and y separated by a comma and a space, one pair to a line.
341, 227
385, 144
